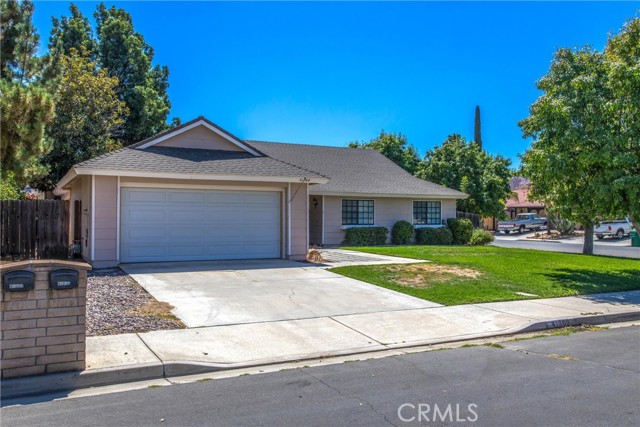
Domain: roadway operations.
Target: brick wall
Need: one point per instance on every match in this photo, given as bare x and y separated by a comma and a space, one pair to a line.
43, 331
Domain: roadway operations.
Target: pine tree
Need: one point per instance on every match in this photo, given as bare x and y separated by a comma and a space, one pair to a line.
124, 54
25, 106
10, 17
73, 32
477, 131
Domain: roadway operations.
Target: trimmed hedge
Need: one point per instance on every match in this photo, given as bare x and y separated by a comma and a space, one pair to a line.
434, 236
402, 233
461, 228
481, 237
366, 236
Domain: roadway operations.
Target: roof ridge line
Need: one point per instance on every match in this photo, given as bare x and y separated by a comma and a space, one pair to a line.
249, 141
296, 166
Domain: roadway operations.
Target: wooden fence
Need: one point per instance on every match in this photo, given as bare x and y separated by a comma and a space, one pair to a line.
34, 229
474, 218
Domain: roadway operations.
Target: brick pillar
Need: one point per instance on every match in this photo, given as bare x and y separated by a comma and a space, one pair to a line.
43, 330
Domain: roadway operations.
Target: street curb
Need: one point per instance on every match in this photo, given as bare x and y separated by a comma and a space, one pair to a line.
52, 383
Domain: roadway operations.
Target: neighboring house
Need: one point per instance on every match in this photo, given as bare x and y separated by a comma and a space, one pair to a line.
520, 203
196, 192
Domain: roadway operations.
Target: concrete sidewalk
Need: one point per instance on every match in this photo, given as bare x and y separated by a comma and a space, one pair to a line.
161, 354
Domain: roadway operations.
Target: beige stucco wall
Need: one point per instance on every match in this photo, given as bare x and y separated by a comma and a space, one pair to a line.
387, 211
199, 137
299, 198
81, 190
106, 212
106, 217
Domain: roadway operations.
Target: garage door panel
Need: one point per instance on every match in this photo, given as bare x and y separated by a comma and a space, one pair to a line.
144, 252
255, 234
186, 197
157, 233
186, 250
223, 199
180, 225
257, 199
259, 216
256, 251
145, 215
176, 234
224, 216
137, 195
187, 215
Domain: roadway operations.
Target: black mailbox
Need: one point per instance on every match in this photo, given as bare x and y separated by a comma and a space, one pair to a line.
64, 278
19, 281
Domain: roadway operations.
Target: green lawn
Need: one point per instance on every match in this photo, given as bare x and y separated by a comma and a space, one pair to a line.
472, 274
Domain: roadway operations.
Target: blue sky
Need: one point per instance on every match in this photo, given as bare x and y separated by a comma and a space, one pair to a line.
330, 73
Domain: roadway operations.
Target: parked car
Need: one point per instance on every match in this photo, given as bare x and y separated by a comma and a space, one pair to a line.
617, 227
522, 223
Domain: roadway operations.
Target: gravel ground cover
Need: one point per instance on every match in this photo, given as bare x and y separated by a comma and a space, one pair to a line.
116, 304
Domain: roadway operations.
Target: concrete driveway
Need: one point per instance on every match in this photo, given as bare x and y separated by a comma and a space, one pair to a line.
213, 293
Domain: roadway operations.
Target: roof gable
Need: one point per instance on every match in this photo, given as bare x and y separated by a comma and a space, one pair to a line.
199, 134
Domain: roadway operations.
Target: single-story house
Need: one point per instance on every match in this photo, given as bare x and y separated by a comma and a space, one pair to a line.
520, 203
197, 192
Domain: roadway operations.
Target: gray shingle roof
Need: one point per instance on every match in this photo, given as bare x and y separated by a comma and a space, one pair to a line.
353, 170
195, 161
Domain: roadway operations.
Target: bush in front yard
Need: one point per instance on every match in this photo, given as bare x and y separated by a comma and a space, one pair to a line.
402, 233
462, 230
481, 237
366, 236
434, 236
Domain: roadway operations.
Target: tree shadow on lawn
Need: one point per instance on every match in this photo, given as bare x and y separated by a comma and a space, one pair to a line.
594, 285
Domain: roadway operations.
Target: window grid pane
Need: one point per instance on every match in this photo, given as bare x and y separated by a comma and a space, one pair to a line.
357, 212
427, 213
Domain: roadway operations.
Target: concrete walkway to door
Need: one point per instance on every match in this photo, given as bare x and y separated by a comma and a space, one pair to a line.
215, 293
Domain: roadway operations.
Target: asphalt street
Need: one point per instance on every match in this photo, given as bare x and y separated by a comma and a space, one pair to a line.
585, 379
608, 247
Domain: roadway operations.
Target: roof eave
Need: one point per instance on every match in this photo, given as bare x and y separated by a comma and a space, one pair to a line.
67, 179
204, 177
394, 195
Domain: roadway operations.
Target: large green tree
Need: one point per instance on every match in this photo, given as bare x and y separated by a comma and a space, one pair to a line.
622, 62
25, 105
585, 157
395, 147
69, 32
465, 166
123, 53
88, 116
571, 150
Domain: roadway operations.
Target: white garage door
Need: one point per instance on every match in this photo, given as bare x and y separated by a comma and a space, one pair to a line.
181, 225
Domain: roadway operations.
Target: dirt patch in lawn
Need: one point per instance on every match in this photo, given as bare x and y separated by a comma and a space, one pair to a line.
424, 275
155, 309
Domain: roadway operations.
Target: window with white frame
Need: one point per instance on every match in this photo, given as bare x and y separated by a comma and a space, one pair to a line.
357, 212
427, 213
